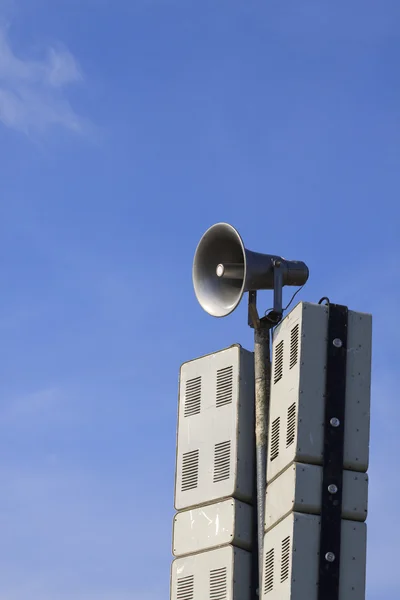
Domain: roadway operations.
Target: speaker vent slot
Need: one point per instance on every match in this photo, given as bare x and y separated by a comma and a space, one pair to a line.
285, 559
185, 588
291, 425
218, 584
278, 368
222, 461
294, 346
275, 434
269, 572
224, 386
190, 470
192, 397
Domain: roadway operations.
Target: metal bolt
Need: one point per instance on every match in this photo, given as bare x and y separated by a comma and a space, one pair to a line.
220, 270
330, 557
332, 488
334, 422
337, 343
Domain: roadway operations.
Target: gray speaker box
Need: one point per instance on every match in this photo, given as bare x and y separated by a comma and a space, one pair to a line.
215, 440
221, 574
291, 561
296, 420
299, 489
212, 525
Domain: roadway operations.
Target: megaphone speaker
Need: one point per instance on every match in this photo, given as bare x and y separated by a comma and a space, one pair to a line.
223, 270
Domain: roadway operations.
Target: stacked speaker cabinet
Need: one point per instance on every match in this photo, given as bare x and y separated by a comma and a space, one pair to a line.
295, 462
212, 530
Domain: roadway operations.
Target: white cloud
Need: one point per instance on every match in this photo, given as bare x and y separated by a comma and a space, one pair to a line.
32, 92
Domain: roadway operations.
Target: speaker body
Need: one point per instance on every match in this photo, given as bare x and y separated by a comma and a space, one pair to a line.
298, 489
290, 566
297, 403
212, 525
215, 440
220, 574
241, 270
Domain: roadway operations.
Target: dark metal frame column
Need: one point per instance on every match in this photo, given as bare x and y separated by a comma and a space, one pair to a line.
335, 402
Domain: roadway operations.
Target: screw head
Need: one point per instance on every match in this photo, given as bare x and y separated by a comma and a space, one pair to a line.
332, 488
330, 557
334, 422
337, 343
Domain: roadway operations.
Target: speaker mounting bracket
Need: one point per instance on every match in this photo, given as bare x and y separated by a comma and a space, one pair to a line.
253, 316
278, 285
275, 315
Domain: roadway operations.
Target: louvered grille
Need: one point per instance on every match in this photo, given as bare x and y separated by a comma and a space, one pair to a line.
218, 584
275, 434
294, 346
190, 470
224, 386
222, 461
269, 571
192, 397
185, 588
278, 369
285, 559
291, 425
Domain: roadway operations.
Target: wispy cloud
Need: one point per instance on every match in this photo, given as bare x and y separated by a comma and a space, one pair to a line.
33, 92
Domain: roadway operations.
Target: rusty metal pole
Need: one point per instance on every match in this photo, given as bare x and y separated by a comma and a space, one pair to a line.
262, 373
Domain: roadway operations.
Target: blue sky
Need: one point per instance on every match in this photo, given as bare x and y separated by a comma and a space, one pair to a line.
127, 127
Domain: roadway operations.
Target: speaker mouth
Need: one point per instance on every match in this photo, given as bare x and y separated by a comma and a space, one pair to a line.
219, 270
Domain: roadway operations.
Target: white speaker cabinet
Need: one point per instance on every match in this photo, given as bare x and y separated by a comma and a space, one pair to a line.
291, 562
222, 574
215, 441
296, 420
212, 525
299, 489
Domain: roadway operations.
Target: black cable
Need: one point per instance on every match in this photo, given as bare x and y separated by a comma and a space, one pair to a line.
293, 297
274, 322
324, 298
286, 307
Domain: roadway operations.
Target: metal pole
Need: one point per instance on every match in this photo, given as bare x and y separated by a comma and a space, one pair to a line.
262, 372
